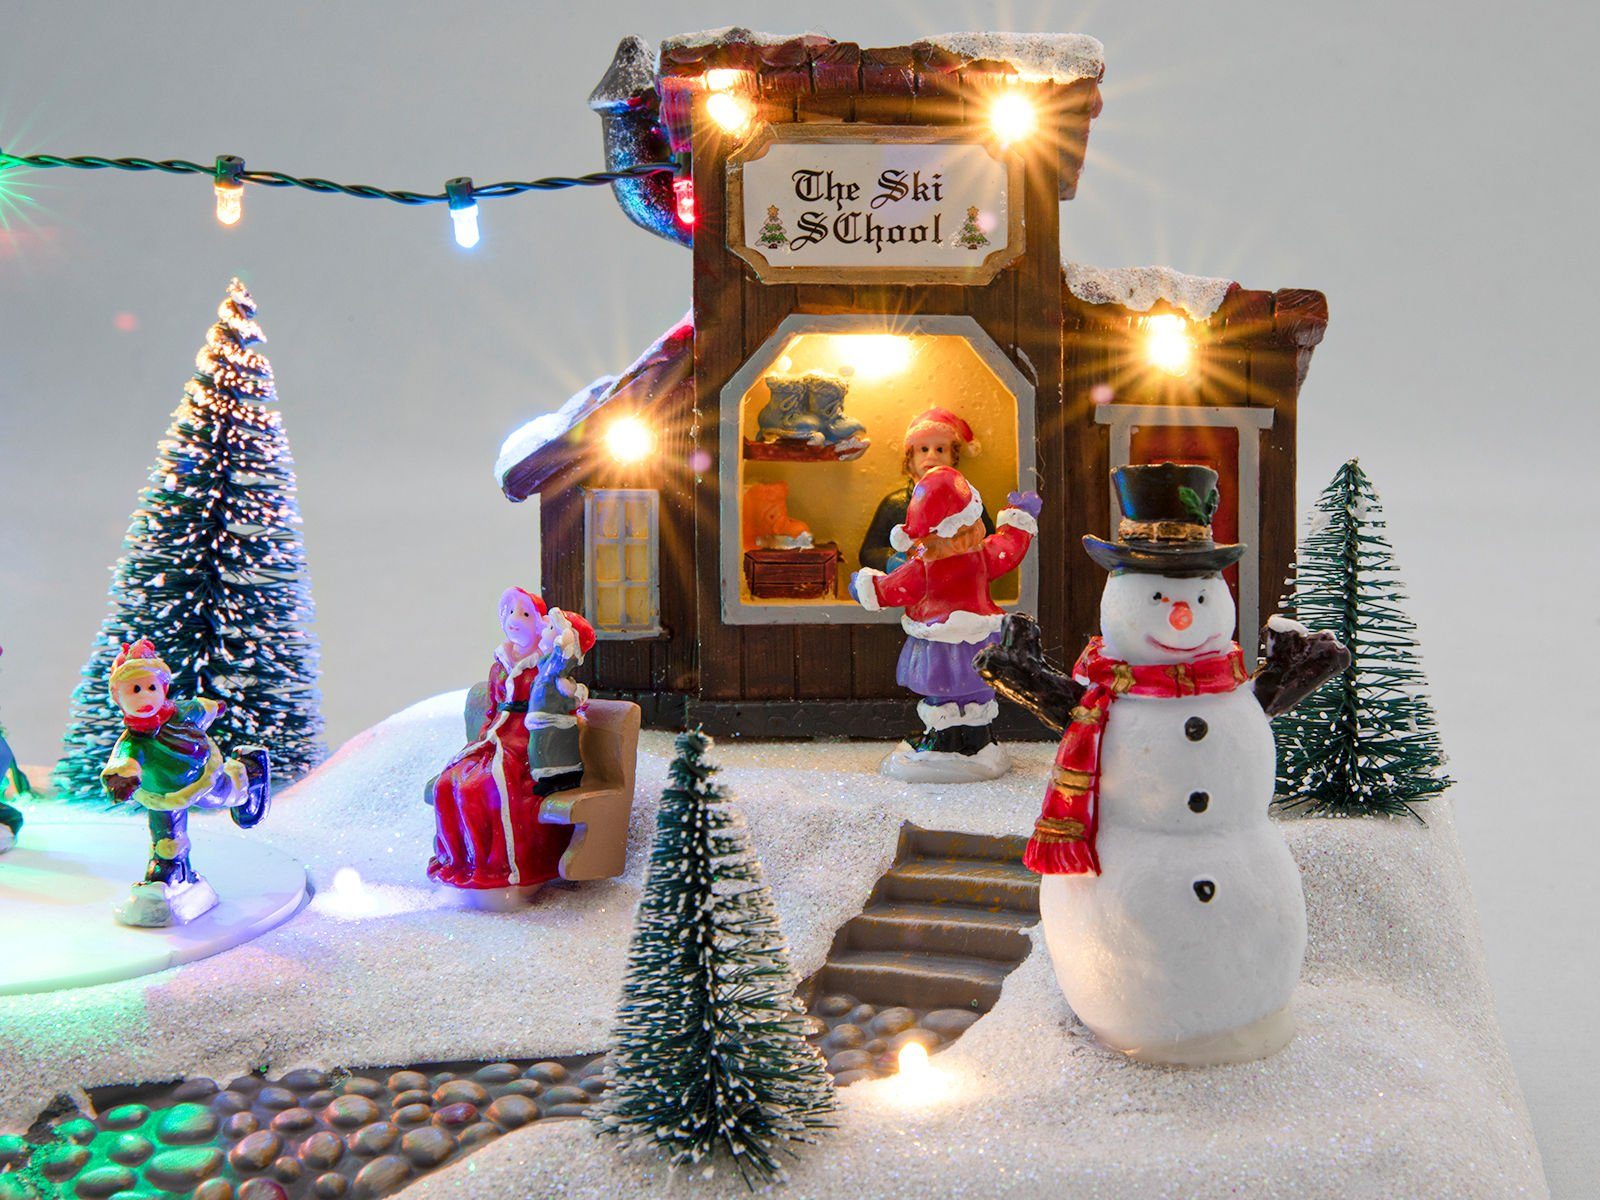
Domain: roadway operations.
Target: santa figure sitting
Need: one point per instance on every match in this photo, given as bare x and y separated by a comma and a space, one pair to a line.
949, 616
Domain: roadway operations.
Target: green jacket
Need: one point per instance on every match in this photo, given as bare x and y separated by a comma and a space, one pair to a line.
175, 764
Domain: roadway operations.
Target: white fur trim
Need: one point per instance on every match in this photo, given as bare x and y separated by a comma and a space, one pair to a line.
1019, 518
944, 716
957, 627
544, 720
956, 522
899, 539
864, 590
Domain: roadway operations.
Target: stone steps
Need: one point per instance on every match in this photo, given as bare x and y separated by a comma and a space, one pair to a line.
942, 930
912, 979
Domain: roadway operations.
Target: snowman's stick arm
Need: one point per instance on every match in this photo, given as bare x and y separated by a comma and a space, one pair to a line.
1298, 662
1017, 668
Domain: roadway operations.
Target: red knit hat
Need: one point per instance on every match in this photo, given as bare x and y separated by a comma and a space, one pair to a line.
581, 629
139, 658
942, 420
942, 503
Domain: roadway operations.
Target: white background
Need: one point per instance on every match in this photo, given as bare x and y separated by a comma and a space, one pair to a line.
1429, 171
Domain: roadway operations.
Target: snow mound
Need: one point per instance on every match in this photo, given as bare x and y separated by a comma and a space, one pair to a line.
1141, 288
1398, 1083
538, 433
1036, 57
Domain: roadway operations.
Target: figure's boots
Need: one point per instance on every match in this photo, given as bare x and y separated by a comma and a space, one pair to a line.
171, 893
786, 416
10, 823
170, 871
258, 789
826, 394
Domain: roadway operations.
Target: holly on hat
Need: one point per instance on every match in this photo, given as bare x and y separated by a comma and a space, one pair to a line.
943, 503
942, 420
139, 659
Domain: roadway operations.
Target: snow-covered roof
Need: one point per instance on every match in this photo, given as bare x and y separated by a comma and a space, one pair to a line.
727, 35
1142, 288
1037, 57
649, 377
527, 440
631, 74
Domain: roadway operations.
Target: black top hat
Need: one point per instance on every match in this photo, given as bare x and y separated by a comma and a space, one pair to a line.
1166, 523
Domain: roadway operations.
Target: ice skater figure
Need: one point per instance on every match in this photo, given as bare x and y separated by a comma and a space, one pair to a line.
1171, 907
949, 616
165, 762
10, 776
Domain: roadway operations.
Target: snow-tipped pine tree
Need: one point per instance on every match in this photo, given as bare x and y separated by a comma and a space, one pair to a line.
709, 1052
1366, 741
213, 571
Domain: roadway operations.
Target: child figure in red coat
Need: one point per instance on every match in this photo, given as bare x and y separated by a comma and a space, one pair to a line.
949, 616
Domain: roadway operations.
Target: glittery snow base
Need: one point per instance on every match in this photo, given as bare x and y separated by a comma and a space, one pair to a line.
1398, 1083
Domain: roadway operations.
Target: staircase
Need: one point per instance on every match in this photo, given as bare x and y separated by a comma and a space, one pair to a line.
941, 930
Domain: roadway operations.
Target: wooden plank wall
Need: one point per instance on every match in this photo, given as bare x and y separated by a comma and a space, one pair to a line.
736, 313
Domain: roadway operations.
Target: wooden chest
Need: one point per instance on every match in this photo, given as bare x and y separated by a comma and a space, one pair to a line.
792, 574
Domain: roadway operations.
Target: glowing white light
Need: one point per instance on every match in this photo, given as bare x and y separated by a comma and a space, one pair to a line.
1012, 117
731, 113
629, 439
1168, 343
874, 355
230, 201
465, 219
723, 79
914, 1063
347, 880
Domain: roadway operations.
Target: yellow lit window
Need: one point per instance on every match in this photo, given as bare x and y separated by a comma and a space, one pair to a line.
621, 573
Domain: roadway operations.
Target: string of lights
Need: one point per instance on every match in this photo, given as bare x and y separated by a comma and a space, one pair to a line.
228, 176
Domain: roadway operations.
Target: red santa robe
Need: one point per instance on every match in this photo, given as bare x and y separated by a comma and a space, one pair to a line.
486, 808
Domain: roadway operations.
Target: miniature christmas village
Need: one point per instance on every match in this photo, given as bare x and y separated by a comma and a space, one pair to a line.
927, 762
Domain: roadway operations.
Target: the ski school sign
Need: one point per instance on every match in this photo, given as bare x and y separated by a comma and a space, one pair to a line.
874, 203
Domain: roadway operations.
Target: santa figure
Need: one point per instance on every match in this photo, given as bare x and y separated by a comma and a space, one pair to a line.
165, 762
935, 438
949, 616
488, 836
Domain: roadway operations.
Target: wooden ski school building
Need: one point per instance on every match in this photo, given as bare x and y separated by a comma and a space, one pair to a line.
799, 159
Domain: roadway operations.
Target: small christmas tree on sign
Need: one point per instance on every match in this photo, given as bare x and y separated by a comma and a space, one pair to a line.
709, 1049
1366, 741
772, 235
213, 567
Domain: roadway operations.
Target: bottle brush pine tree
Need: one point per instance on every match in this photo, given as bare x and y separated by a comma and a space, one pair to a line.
1366, 741
213, 571
709, 1052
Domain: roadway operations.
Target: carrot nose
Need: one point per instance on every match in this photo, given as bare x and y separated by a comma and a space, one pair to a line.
1180, 617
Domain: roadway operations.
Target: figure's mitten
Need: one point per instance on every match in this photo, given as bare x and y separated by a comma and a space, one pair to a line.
1298, 662
1029, 502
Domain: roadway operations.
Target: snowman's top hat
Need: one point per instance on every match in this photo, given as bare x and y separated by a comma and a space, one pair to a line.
1166, 523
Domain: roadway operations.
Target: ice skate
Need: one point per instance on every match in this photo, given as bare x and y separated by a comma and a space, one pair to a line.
258, 793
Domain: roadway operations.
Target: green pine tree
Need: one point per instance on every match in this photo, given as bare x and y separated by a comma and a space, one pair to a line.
709, 1051
1366, 741
213, 571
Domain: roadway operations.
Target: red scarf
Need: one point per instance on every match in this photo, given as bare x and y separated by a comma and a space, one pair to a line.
154, 721
1063, 837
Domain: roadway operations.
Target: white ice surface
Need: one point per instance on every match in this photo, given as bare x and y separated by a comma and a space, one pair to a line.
1141, 288
1398, 1084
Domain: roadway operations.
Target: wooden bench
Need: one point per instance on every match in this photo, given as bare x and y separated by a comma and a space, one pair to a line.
600, 807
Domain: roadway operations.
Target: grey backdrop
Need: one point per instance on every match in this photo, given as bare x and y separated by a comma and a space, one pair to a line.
1432, 174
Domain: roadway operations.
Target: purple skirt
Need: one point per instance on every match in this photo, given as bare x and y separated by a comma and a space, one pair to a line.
942, 671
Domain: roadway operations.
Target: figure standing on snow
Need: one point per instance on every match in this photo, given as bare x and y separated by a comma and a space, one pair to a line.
1170, 905
486, 801
165, 762
949, 616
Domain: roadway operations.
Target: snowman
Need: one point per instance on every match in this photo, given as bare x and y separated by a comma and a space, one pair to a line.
1171, 907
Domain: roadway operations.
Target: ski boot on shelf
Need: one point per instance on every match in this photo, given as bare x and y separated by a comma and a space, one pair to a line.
786, 417
826, 395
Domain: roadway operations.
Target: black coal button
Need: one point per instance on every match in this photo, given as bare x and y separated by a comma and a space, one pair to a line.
1195, 728
1199, 801
1205, 889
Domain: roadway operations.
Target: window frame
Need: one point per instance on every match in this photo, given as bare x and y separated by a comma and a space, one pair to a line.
592, 498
